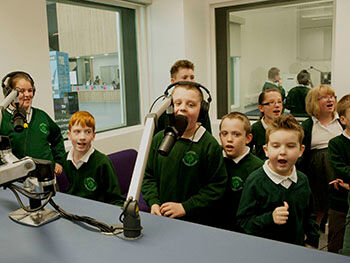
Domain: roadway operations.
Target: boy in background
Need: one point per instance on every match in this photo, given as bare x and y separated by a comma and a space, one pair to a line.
182, 70
235, 134
295, 101
276, 202
188, 183
339, 157
90, 173
274, 81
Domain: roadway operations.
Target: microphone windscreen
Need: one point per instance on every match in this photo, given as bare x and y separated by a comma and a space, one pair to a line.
181, 124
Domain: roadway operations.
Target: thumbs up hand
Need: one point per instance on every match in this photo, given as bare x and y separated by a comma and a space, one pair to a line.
280, 214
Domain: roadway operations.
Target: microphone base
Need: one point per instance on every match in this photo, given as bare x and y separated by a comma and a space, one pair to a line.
132, 221
38, 218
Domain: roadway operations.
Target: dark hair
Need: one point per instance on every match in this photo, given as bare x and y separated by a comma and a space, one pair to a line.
262, 98
180, 64
303, 77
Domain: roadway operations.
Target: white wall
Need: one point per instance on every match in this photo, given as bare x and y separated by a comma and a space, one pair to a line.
278, 48
24, 46
341, 50
166, 41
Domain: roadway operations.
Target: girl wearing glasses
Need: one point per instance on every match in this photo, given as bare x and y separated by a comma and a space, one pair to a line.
270, 107
322, 125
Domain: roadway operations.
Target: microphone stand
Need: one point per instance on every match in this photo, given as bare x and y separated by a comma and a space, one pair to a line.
325, 77
131, 222
7, 101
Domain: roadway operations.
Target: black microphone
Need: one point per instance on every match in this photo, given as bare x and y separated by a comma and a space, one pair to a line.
172, 133
19, 118
312, 67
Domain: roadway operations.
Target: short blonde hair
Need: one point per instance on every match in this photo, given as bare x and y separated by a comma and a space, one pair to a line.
239, 116
84, 118
343, 105
190, 87
311, 101
285, 122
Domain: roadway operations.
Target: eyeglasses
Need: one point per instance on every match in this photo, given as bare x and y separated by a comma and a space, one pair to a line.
325, 98
272, 103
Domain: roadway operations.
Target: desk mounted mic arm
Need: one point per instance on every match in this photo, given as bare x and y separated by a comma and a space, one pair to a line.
7, 101
131, 221
39, 184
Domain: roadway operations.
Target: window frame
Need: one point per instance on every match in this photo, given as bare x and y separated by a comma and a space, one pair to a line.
129, 58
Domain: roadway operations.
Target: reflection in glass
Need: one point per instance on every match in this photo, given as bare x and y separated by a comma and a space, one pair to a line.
290, 38
85, 60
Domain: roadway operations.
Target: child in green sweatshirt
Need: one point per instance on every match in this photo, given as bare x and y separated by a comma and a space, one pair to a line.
339, 158
235, 134
90, 173
189, 182
276, 201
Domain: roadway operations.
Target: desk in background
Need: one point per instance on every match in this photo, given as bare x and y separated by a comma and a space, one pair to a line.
164, 240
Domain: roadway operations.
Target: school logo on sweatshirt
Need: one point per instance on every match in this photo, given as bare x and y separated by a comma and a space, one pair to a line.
236, 183
190, 158
43, 128
90, 184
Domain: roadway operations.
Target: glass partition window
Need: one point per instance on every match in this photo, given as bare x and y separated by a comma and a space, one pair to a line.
86, 62
291, 37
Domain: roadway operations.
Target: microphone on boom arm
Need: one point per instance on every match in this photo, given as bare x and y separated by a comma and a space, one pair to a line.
172, 133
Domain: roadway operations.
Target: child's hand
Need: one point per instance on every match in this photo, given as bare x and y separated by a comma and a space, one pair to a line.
155, 210
58, 169
172, 209
308, 246
339, 182
280, 214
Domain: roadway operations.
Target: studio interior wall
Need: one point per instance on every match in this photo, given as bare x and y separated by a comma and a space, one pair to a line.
24, 46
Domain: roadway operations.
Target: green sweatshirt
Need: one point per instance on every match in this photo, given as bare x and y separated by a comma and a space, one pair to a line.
339, 158
260, 198
42, 139
295, 101
259, 140
94, 180
193, 174
269, 85
237, 175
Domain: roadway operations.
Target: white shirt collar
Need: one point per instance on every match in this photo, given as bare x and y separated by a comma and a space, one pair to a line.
274, 83
285, 181
82, 160
239, 158
335, 118
346, 135
198, 134
264, 124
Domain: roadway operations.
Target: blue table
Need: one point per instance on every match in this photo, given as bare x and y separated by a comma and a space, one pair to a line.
164, 240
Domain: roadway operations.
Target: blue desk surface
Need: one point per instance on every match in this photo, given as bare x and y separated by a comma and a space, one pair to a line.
164, 240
